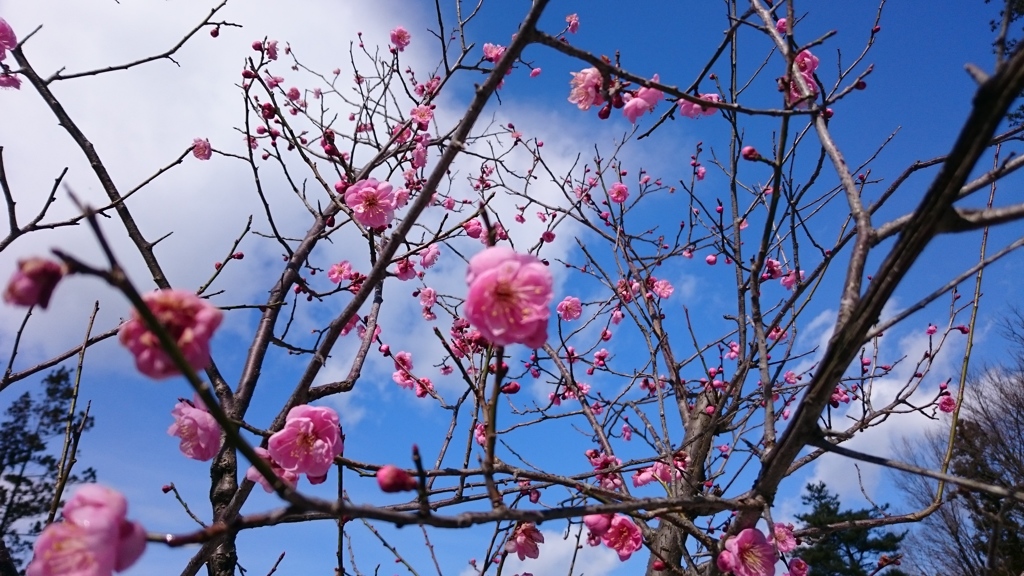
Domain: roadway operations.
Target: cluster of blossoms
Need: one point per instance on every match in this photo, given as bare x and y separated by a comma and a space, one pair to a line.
805, 64
509, 295
606, 467
8, 41
95, 538
616, 531
695, 110
190, 321
307, 444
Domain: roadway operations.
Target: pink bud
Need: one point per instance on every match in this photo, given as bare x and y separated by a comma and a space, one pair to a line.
711, 259
511, 388
391, 478
749, 153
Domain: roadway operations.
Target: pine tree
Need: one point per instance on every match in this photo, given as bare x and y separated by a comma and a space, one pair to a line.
29, 460
847, 551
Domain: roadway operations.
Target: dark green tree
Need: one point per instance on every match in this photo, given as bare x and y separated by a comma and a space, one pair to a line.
31, 437
845, 551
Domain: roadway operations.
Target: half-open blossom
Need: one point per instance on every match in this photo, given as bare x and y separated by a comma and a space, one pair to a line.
573, 20
197, 428
748, 554
570, 308
791, 278
33, 282
947, 404
309, 441
623, 536
287, 476
400, 37
190, 321
695, 110
509, 295
658, 471
493, 52
429, 256
95, 538
372, 202
798, 567
598, 524
10, 81
391, 478
7, 39
586, 88
644, 101
524, 540
201, 149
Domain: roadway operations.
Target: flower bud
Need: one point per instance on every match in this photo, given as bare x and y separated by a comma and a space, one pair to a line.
391, 478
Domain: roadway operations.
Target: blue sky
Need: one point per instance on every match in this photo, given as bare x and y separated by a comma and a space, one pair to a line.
142, 119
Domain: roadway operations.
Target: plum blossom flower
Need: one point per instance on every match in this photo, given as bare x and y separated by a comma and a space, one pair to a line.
644, 101
197, 428
618, 192
10, 81
662, 289
33, 282
428, 297
509, 295
286, 476
806, 63
190, 321
400, 37
570, 308
748, 554
473, 228
524, 540
373, 203
695, 110
493, 52
340, 271
391, 478
309, 441
797, 567
947, 404
405, 269
422, 114
95, 538
7, 39
586, 88
623, 536
429, 256
573, 20
780, 26
783, 537
598, 524
658, 471
790, 279
201, 149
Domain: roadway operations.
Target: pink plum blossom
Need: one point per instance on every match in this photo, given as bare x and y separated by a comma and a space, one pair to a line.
95, 538
524, 540
570, 308
197, 428
428, 297
10, 81
405, 269
657, 471
33, 282
509, 295
340, 271
190, 321
662, 289
473, 228
598, 524
644, 101
400, 37
798, 567
391, 478
623, 536
373, 203
780, 26
748, 554
790, 279
783, 537
309, 441
573, 20
201, 149
947, 404
286, 476
422, 114
586, 88
429, 256
695, 110
932, 329
7, 39
493, 52
618, 192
